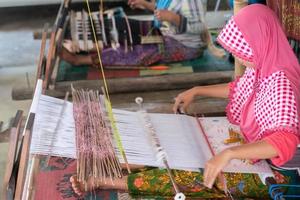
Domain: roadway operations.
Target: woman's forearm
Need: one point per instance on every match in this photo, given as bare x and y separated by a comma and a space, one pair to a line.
149, 5
220, 90
175, 19
257, 150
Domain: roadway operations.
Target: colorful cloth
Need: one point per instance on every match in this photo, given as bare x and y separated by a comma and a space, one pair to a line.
288, 12
147, 54
156, 183
266, 98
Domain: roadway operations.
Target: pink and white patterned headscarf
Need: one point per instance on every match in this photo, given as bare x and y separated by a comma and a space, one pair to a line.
271, 90
233, 40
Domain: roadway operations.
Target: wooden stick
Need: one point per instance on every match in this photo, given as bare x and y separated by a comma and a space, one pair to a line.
49, 61
13, 143
34, 168
24, 157
55, 34
42, 52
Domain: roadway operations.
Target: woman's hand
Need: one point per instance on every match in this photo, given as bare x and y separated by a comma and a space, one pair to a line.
184, 99
164, 15
136, 4
214, 166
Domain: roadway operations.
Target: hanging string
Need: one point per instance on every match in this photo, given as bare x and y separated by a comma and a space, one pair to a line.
106, 93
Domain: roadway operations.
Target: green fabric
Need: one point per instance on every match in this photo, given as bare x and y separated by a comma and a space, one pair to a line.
205, 63
68, 72
171, 70
156, 183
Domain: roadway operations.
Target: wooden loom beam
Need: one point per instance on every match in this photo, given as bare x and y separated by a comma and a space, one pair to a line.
12, 150
136, 84
24, 157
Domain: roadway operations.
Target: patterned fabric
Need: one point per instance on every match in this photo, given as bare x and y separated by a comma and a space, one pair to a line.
232, 39
52, 182
156, 183
144, 55
288, 12
275, 104
240, 91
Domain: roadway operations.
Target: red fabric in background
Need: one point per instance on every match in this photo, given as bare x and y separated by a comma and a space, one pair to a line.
94, 74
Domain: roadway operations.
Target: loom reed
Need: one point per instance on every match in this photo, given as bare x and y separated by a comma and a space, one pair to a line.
96, 159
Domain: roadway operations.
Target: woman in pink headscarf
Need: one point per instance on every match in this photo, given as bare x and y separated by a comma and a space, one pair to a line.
264, 102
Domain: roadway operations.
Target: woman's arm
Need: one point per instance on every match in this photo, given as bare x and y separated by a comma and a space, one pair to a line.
142, 4
190, 16
257, 150
184, 99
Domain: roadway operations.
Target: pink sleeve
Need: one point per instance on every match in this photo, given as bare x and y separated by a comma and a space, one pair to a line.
285, 144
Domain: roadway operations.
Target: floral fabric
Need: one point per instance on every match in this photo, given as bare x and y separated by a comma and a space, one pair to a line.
156, 183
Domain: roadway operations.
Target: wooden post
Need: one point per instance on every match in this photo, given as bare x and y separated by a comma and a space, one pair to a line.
24, 157
237, 6
13, 144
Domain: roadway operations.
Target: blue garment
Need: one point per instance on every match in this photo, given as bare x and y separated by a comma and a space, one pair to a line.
161, 5
250, 2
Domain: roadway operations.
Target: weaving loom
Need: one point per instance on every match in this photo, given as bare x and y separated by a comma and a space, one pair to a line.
183, 141
113, 28
106, 29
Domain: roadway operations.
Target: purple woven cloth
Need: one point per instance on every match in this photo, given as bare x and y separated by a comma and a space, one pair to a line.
148, 54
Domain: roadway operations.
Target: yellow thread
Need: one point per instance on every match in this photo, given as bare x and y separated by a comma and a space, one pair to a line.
107, 99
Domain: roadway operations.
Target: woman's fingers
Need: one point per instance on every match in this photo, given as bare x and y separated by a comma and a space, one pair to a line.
214, 166
210, 174
182, 101
205, 175
157, 14
185, 105
177, 103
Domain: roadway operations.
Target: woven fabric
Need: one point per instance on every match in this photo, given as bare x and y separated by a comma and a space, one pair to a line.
288, 12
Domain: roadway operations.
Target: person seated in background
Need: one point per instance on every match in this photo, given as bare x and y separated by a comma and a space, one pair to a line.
184, 32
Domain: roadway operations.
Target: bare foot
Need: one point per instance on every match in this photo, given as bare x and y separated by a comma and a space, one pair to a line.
92, 184
75, 59
78, 188
213, 49
218, 52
